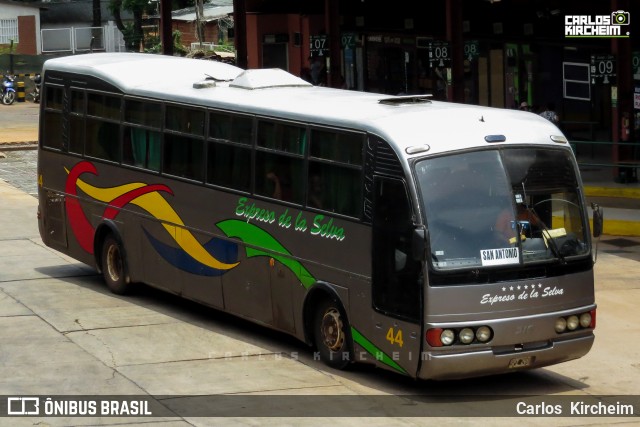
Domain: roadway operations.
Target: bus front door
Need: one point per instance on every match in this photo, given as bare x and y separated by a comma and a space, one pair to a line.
397, 278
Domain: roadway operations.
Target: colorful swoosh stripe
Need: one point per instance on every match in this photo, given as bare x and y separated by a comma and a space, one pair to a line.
191, 255
224, 250
214, 258
255, 238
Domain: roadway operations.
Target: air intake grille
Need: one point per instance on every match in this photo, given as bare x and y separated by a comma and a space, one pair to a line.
380, 160
385, 160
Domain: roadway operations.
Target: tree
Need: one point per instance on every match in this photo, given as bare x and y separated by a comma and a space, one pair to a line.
97, 14
133, 35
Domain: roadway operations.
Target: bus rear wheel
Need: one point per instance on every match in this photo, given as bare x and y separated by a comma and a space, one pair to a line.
113, 266
331, 334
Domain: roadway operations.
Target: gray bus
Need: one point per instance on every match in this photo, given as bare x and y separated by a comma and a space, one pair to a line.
432, 239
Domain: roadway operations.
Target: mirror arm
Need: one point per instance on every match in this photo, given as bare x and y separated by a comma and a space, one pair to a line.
419, 243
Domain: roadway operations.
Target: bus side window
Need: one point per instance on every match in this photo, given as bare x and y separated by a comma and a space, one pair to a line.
229, 166
279, 177
103, 140
229, 151
281, 137
337, 146
183, 156
334, 188
77, 122
52, 136
76, 134
185, 120
141, 148
397, 278
53, 117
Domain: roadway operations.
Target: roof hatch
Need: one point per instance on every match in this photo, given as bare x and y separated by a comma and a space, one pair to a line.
406, 99
267, 78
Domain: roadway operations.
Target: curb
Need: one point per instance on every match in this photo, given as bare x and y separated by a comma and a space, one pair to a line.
15, 146
628, 193
618, 227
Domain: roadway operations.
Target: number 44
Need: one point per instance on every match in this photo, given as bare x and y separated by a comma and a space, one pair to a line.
395, 337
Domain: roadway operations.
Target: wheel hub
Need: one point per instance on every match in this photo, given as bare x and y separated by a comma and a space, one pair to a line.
332, 334
114, 265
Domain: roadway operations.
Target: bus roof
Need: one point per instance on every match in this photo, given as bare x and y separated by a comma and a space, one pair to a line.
408, 123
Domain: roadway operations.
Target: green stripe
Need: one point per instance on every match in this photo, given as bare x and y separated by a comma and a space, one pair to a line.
375, 351
258, 238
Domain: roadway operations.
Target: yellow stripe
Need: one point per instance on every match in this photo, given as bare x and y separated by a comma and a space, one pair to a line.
106, 195
618, 227
629, 193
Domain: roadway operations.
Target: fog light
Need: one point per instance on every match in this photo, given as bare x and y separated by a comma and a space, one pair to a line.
561, 325
572, 323
466, 335
447, 337
483, 334
585, 320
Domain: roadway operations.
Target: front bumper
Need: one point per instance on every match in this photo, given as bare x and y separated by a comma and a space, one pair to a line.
444, 366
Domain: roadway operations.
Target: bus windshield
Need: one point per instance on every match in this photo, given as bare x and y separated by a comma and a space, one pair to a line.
502, 207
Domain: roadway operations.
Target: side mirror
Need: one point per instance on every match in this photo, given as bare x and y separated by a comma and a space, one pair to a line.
419, 243
598, 219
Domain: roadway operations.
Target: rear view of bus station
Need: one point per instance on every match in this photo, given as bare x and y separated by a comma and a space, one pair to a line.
580, 58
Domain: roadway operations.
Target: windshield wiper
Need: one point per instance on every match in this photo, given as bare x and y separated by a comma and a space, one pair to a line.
546, 233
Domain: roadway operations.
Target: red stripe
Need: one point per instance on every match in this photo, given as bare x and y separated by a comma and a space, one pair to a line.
119, 202
82, 228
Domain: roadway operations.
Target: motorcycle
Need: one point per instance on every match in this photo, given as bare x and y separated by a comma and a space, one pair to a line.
35, 94
8, 89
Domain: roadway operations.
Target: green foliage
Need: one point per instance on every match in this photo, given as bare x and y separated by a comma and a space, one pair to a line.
131, 37
136, 5
178, 48
5, 48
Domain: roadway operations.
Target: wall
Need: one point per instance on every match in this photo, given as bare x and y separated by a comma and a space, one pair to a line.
188, 30
29, 36
260, 25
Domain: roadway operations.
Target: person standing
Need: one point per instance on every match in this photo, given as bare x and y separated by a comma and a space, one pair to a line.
550, 113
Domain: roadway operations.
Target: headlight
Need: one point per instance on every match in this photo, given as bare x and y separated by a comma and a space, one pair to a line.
572, 322
585, 320
447, 337
483, 334
466, 335
561, 325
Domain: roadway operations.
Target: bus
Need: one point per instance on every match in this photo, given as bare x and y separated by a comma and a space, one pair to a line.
432, 239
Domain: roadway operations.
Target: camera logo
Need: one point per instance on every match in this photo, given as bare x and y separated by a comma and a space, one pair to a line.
620, 17
584, 26
23, 406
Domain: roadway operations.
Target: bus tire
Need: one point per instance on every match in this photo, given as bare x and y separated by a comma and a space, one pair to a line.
332, 334
113, 266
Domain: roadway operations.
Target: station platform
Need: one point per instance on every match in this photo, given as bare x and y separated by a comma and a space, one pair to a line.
620, 201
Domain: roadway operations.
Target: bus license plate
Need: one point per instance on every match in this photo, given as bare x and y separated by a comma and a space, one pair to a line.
520, 362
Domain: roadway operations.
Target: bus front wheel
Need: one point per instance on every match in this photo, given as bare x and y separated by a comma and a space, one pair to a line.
113, 266
331, 334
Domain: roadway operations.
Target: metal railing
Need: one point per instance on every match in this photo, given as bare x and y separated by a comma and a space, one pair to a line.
82, 39
625, 167
631, 159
